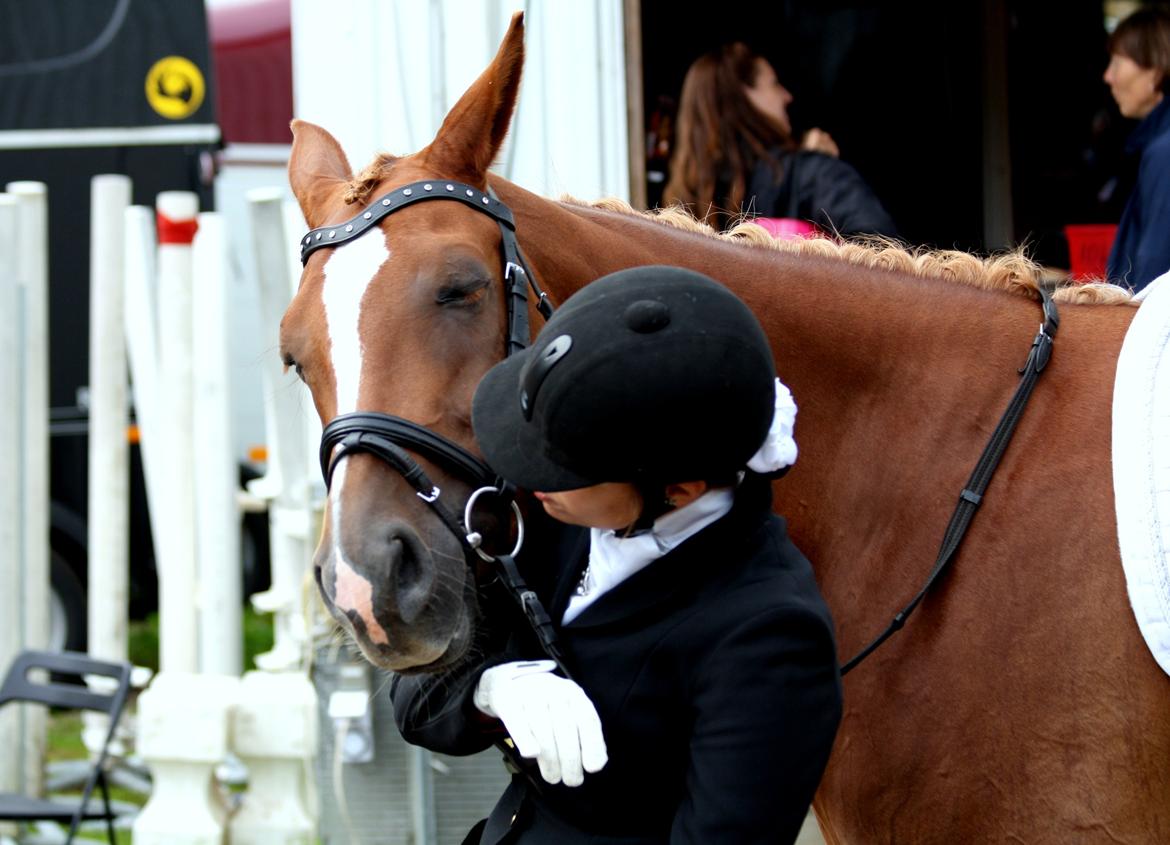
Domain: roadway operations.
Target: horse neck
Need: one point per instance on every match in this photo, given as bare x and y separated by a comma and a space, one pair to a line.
882, 364
813, 307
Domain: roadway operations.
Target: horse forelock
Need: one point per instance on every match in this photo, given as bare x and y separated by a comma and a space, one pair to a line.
1013, 271
358, 189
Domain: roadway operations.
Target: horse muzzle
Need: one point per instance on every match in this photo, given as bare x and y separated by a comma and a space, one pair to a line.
406, 603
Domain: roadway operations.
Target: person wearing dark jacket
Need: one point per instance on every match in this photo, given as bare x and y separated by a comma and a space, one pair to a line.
705, 692
734, 154
1138, 68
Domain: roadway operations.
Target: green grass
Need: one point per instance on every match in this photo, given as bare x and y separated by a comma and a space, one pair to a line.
142, 644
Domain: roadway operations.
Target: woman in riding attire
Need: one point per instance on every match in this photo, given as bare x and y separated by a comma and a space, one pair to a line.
705, 691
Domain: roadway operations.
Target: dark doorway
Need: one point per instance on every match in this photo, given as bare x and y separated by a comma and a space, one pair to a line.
901, 88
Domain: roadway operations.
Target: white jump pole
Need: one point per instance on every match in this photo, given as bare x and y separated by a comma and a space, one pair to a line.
11, 485
176, 550
221, 635
183, 717
33, 269
108, 509
141, 327
109, 451
286, 485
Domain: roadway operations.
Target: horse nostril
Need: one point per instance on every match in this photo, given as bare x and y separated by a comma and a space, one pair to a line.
412, 575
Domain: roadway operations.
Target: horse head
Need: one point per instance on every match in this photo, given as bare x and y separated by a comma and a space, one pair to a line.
402, 321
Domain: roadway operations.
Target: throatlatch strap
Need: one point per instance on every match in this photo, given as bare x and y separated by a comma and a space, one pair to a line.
972, 494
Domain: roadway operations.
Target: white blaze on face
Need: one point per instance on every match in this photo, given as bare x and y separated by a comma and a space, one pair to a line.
348, 274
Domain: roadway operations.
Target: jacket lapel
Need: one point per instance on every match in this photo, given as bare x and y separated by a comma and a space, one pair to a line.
574, 555
708, 556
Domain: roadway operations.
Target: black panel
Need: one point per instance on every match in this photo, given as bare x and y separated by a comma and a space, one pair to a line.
83, 63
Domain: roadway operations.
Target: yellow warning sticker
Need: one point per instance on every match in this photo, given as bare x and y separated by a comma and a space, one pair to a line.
174, 87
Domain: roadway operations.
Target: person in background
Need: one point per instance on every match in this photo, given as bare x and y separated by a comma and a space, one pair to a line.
1139, 64
705, 692
735, 154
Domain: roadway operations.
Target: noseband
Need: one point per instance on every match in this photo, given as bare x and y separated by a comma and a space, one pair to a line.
392, 438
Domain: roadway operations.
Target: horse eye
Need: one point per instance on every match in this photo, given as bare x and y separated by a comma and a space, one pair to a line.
460, 294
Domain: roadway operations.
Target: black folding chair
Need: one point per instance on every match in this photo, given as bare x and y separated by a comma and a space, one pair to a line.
54, 692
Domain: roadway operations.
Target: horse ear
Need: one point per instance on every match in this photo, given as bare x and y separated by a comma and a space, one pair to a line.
474, 129
316, 168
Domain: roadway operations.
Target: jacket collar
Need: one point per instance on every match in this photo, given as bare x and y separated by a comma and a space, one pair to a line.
1153, 124
708, 556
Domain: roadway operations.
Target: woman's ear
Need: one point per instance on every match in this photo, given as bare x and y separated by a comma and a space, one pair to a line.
682, 493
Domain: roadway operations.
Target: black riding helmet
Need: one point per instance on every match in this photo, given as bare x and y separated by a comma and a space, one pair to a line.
648, 374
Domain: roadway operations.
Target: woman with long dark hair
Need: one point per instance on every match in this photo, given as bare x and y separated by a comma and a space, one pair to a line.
735, 153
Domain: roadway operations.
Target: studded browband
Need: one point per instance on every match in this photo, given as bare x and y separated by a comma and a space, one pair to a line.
340, 233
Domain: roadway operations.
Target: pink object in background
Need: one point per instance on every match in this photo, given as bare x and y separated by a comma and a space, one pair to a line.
787, 227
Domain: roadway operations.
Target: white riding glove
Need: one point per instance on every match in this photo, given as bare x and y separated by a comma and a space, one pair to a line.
547, 716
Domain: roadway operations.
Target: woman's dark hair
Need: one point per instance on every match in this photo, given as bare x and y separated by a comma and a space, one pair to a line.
719, 134
1144, 37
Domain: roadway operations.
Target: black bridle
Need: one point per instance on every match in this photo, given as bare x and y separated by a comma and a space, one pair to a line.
393, 439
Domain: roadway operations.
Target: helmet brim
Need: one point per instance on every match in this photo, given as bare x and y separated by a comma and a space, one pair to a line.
512, 445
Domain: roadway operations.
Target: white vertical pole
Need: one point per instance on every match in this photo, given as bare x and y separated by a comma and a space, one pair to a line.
142, 351
217, 515
286, 485
33, 269
178, 614
108, 509
294, 223
11, 635
109, 451
183, 716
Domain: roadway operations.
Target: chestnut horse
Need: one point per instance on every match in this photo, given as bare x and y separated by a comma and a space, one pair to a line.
1018, 705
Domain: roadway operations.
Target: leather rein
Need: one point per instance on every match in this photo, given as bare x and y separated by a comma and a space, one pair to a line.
971, 495
393, 439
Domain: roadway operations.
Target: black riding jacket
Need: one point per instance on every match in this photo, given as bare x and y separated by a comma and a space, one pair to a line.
714, 672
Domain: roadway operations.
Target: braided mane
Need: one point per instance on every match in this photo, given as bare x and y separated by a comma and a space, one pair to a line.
1011, 271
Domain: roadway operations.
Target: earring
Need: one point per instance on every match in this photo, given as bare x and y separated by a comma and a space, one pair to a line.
669, 502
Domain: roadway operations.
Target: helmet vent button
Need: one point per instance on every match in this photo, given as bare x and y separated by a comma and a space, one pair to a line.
647, 315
